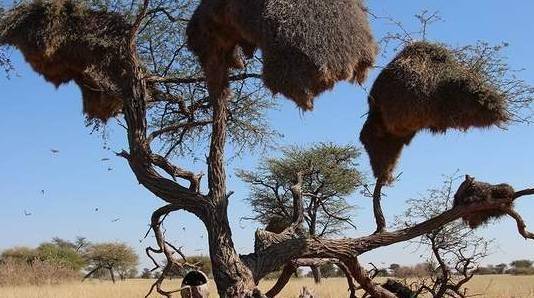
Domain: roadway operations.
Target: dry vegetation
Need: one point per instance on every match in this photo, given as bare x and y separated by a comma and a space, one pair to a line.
492, 286
39, 273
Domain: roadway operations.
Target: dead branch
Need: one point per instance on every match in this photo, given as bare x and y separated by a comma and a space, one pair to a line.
172, 263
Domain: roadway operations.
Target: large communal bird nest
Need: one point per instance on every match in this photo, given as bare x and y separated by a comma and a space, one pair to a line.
65, 41
475, 192
307, 46
427, 86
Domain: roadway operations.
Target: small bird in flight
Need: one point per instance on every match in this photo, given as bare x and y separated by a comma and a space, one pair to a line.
43, 192
104, 159
27, 213
116, 220
96, 209
110, 169
55, 151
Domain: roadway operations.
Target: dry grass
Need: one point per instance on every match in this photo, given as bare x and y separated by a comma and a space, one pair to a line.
491, 286
37, 274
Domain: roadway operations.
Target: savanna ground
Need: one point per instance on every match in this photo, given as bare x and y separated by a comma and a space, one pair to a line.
486, 286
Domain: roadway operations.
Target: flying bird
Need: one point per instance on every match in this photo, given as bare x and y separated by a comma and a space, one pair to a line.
116, 220
27, 213
110, 169
43, 192
104, 159
96, 209
55, 151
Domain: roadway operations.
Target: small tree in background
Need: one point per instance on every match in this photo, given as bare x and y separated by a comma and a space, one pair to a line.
20, 254
456, 250
521, 267
146, 274
329, 174
61, 255
113, 257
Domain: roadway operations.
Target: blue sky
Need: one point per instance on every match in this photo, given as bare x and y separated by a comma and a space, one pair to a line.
36, 117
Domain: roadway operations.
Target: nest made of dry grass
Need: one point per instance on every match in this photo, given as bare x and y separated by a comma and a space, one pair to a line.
307, 45
473, 192
65, 41
426, 87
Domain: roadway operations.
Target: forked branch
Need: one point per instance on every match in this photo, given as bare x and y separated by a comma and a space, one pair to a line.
172, 264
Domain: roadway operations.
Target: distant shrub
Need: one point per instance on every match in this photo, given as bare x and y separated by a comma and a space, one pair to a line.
20, 254
521, 271
16, 273
61, 256
418, 270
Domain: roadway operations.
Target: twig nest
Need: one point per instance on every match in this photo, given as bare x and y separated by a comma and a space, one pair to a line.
426, 87
65, 41
277, 224
195, 285
475, 192
307, 45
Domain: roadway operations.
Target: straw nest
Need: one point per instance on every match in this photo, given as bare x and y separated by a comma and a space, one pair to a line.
473, 192
65, 41
307, 45
427, 87
277, 224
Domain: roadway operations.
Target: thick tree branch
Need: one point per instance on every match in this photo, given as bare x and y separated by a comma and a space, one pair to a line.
521, 226
174, 171
288, 270
362, 277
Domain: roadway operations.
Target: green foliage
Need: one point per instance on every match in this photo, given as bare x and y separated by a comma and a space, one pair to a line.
111, 255
60, 255
522, 264
203, 263
330, 270
330, 174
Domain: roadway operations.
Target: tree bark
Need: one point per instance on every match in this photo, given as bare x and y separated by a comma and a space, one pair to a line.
111, 274
377, 208
282, 281
232, 276
316, 272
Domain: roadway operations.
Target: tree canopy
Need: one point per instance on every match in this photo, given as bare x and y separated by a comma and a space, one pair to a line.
329, 175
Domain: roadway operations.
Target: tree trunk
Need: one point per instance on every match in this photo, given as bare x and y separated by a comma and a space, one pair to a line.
111, 274
316, 272
232, 277
282, 281
90, 273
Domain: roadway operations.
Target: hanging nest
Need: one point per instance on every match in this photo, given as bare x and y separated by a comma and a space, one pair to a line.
307, 45
65, 41
473, 192
427, 87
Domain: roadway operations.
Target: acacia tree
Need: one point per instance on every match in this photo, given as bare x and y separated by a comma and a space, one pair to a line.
456, 250
329, 175
113, 257
132, 61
